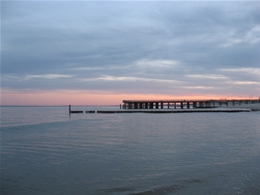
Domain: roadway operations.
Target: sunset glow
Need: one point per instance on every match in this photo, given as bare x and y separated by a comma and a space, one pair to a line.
51, 98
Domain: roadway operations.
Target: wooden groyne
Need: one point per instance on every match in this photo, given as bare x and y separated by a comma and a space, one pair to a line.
76, 111
171, 111
80, 111
90, 111
154, 111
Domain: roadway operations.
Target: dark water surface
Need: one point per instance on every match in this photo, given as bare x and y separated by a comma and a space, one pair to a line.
46, 151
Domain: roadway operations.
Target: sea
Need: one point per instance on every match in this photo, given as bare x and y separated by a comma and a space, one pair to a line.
44, 150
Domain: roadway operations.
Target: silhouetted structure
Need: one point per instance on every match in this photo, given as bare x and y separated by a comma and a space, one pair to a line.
161, 104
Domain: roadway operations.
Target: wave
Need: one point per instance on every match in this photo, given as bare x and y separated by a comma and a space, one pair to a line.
171, 189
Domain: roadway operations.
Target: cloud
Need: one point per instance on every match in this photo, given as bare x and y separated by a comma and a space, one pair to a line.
250, 37
47, 76
245, 83
30, 77
146, 63
130, 79
199, 87
198, 76
142, 47
242, 70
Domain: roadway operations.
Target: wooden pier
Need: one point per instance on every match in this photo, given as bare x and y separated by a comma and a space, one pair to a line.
182, 104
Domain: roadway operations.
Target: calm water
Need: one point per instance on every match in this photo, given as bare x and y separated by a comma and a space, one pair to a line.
46, 151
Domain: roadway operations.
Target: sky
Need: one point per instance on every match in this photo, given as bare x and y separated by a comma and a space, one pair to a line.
101, 52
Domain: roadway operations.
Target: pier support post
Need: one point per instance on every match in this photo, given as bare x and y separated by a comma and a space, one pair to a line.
181, 105
156, 105
151, 105
188, 105
161, 105
69, 109
175, 105
194, 105
168, 105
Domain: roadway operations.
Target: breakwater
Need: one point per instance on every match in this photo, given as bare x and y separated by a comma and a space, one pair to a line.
156, 111
171, 111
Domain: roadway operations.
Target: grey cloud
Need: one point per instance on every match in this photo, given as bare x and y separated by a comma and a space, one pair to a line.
189, 42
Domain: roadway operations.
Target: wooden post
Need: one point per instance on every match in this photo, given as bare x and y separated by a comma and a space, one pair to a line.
69, 109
